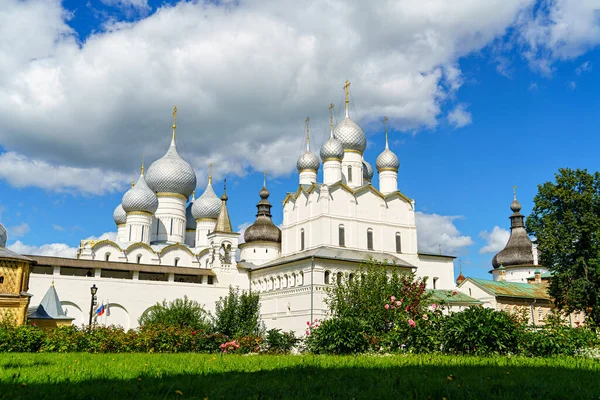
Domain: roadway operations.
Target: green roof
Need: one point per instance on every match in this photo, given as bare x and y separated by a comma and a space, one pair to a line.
513, 289
546, 275
451, 296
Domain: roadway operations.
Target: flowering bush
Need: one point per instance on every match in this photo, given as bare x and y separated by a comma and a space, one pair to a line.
230, 347
337, 336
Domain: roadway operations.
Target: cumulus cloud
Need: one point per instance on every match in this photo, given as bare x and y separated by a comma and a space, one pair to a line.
241, 229
243, 75
437, 233
55, 249
495, 240
459, 116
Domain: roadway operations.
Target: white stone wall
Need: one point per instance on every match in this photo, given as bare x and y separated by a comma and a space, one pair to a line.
518, 274
259, 253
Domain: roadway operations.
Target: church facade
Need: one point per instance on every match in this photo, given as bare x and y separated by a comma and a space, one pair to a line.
170, 243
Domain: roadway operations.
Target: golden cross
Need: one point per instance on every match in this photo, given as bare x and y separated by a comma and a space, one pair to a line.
142, 163
307, 135
385, 120
265, 180
331, 115
210, 173
347, 91
174, 121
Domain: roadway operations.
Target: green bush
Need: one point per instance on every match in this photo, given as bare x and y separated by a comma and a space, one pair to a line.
338, 336
183, 313
65, 339
238, 314
481, 331
21, 339
278, 342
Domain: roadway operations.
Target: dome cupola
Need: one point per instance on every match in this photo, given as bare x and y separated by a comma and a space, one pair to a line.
208, 204
190, 221
263, 229
171, 173
348, 132
519, 249
387, 160
308, 161
119, 215
332, 149
140, 198
367, 171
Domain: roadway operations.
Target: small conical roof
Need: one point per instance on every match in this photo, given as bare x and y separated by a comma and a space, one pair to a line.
50, 307
223, 224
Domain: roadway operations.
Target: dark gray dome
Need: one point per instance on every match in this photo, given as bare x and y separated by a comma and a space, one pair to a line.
263, 229
190, 221
367, 171
519, 249
140, 198
171, 174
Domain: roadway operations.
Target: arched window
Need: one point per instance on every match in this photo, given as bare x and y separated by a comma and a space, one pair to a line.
338, 279
293, 280
176, 261
351, 278
285, 281
327, 279
342, 236
106, 256
142, 233
302, 239
271, 284
139, 258
278, 282
349, 174
301, 278
398, 243
370, 239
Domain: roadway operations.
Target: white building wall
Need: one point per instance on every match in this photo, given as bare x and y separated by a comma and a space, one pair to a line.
470, 289
259, 253
518, 274
169, 222
352, 160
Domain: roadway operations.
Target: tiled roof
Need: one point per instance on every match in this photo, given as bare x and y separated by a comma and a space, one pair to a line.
512, 289
451, 296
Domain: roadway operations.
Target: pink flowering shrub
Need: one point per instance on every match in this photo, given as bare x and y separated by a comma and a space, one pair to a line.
230, 347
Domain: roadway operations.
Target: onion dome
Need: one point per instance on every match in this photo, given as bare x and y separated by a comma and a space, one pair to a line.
460, 277
387, 160
190, 221
308, 160
119, 215
263, 229
171, 173
332, 150
519, 249
208, 204
367, 171
140, 197
348, 132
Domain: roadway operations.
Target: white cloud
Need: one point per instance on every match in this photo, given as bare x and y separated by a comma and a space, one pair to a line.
136, 4
58, 228
459, 116
19, 230
495, 240
241, 229
55, 249
585, 67
243, 75
50, 249
557, 30
21, 171
438, 232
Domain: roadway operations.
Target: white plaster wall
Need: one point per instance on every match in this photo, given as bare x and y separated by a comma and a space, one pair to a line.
332, 172
436, 267
170, 208
138, 228
354, 161
518, 274
259, 253
203, 227
470, 289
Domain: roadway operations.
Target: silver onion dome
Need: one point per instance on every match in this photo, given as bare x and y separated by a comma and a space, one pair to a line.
332, 150
171, 174
140, 198
190, 221
351, 135
367, 171
308, 161
208, 204
119, 215
387, 160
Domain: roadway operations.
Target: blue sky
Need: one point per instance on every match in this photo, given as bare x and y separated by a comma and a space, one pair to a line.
474, 111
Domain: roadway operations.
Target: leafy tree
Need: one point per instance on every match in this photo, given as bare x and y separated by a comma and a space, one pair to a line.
238, 313
566, 223
184, 313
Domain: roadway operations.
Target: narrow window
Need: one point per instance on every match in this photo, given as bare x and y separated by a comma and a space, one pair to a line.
106, 256
349, 174
469, 291
1, 280
370, 239
255, 250
130, 233
210, 280
435, 283
157, 226
398, 243
176, 261
327, 273
171, 230
139, 258
301, 279
339, 278
143, 233
351, 278
342, 236
301, 239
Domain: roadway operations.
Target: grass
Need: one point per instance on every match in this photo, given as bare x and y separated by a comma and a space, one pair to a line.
200, 376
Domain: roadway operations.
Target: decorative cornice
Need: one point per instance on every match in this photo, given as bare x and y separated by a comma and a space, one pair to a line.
121, 225
139, 244
353, 151
147, 214
332, 159
168, 194
96, 244
387, 169
308, 170
176, 246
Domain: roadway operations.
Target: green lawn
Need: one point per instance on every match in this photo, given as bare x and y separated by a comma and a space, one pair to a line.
199, 376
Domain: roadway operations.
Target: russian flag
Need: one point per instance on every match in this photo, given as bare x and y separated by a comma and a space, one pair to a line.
100, 310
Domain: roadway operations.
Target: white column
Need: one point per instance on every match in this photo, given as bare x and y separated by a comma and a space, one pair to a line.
138, 227
170, 218
352, 162
308, 177
388, 181
121, 229
332, 171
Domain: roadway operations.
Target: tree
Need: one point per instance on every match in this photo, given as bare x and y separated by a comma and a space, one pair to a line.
566, 224
184, 313
238, 313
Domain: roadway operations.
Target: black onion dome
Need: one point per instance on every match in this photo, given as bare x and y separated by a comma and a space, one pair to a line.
519, 249
263, 229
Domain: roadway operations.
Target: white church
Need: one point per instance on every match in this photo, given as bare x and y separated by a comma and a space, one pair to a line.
170, 244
